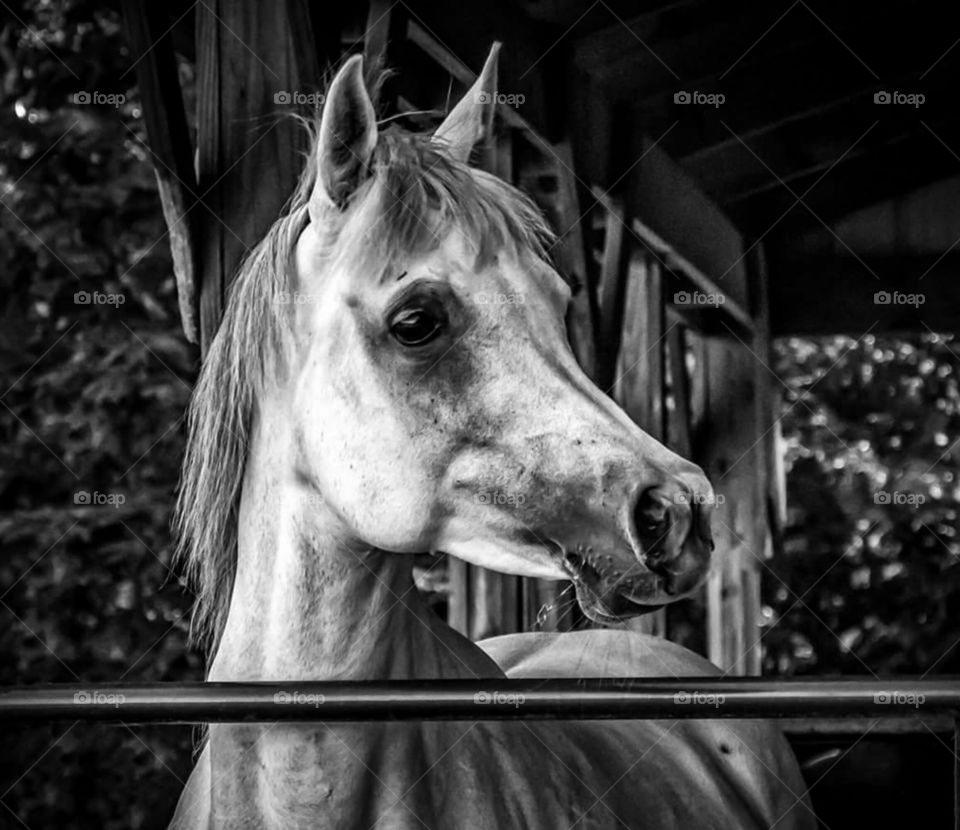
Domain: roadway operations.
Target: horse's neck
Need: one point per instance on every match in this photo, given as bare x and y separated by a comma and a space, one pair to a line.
308, 604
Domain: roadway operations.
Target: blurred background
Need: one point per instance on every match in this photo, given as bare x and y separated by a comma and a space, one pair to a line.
861, 575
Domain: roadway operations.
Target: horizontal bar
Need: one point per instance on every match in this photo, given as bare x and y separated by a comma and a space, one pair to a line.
496, 699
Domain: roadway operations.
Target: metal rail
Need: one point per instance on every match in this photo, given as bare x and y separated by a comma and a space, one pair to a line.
526, 699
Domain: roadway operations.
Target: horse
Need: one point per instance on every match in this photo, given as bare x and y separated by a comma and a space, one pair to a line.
364, 402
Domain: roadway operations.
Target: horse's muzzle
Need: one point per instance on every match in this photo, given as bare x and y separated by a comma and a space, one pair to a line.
671, 545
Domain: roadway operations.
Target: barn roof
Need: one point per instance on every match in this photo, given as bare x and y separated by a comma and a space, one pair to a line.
827, 131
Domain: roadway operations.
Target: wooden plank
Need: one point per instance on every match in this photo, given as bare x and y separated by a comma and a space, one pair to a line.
610, 293
546, 174
688, 277
448, 61
458, 601
679, 419
667, 202
150, 40
639, 382
728, 453
752, 605
246, 55
572, 255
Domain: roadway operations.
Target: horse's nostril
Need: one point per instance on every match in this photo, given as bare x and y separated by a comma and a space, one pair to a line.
652, 519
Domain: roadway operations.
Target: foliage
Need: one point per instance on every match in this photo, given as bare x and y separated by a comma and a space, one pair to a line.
867, 580
92, 400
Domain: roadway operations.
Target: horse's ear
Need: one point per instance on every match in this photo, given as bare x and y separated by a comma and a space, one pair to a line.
471, 120
348, 135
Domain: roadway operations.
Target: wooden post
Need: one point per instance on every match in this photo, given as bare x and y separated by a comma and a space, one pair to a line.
249, 154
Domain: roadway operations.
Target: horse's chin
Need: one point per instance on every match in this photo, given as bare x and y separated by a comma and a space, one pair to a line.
608, 594
607, 612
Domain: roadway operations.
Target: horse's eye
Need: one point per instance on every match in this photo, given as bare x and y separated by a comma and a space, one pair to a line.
417, 325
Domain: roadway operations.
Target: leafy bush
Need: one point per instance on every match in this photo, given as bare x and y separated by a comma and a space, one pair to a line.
868, 577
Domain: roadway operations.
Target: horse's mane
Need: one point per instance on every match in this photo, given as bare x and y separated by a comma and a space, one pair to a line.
415, 192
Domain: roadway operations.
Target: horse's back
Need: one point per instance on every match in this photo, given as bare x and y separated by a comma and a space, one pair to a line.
738, 773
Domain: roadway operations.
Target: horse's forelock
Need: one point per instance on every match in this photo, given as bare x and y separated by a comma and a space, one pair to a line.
416, 193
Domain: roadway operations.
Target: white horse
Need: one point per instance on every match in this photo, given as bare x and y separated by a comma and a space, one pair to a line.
364, 401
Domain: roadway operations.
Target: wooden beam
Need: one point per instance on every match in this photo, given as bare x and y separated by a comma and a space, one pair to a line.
150, 39
460, 36
674, 208
838, 295
247, 54
908, 161
639, 381
610, 292
679, 435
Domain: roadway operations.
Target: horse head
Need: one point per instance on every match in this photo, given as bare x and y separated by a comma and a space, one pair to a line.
437, 402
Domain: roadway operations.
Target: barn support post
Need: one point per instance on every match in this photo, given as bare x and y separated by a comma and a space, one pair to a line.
249, 152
